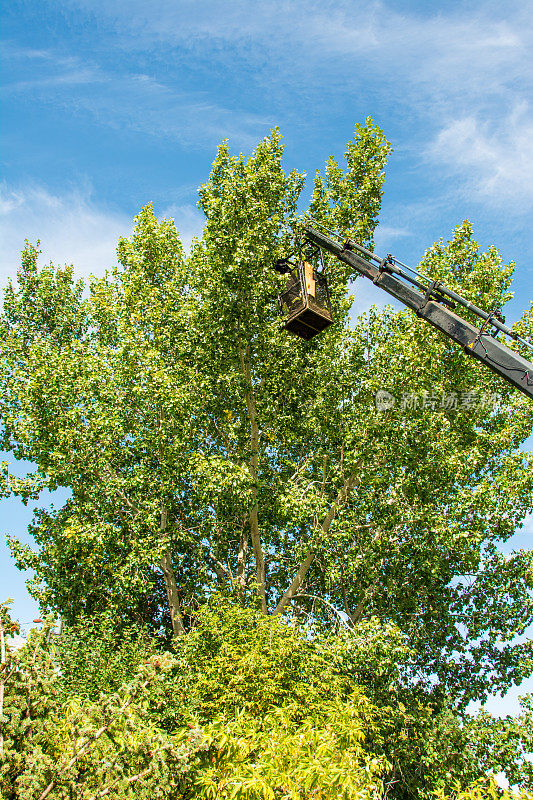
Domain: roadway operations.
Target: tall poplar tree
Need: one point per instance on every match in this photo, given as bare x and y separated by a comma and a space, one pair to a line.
204, 448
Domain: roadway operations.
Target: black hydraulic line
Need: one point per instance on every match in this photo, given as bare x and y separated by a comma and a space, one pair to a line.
498, 357
389, 264
359, 247
483, 314
441, 289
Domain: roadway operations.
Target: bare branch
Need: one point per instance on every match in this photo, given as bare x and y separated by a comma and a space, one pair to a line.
324, 474
172, 594
241, 557
353, 619
301, 466
321, 599
222, 572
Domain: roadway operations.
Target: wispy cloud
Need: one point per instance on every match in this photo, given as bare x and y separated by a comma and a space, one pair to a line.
454, 73
196, 73
51, 69
135, 101
71, 227
437, 67
462, 50
386, 235
495, 161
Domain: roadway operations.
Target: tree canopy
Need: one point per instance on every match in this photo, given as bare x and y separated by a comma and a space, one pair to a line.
206, 450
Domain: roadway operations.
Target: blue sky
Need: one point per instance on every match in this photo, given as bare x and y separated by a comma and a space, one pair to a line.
110, 105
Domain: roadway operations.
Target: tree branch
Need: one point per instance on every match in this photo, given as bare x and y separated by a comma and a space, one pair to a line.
172, 594
129, 502
253, 468
223, 573
308, 560
354, 618
241, 557
321, 599
85, 746
132, 779
324, 474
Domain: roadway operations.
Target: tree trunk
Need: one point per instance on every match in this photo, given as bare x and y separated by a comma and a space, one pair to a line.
172, 594
241, 557
168, 572
260, 572
253, 467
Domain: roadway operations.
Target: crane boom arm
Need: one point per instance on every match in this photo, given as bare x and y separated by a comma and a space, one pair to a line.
432, 306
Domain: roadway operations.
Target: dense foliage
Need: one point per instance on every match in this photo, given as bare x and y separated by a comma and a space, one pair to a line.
205, 450
246, 707
57, 743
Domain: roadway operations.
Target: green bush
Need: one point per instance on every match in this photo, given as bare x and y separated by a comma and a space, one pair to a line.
248, 707
65, 746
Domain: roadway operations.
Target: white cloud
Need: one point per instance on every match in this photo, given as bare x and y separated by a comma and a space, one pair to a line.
442, 51
385, 235
140, 103
469, 68
453, 73
72, 228
495, 160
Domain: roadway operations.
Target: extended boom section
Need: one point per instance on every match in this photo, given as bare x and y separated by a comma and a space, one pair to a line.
434, 303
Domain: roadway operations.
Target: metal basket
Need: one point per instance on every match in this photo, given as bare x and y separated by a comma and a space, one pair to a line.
305, 305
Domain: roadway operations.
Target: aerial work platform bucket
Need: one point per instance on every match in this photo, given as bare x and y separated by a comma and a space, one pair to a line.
305, 305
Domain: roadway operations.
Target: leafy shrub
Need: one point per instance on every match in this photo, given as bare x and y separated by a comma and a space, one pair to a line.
247, 708
68, 747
